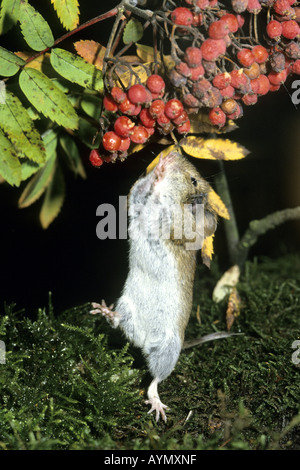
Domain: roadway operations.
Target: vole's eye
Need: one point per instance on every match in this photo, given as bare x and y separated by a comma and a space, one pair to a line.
194, 181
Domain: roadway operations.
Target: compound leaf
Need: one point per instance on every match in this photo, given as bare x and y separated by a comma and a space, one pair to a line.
34, 27
68, 12
19, 128
9, 63
9, 14
133, 31
76, 69
47, 98
10, 166
54, 198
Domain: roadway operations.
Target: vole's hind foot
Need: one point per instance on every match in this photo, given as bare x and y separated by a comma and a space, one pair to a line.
158, 407
110, 315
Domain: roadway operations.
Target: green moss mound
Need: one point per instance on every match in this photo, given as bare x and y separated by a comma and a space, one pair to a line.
69, 382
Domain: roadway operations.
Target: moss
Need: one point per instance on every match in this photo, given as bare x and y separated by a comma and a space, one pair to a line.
68, 383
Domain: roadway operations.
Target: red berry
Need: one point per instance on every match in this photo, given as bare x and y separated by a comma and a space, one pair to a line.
182, 16
177, 79
227, 92
157, 108
110, 104
212, 48
123, 126
193, 56
274, 29
277, 78
140, 135
202, 4
125, 144
129, 108
222, 80
218, 29
277, 61
260, 53
249, 99
163, 120
296, 67
183, 69
138, 94
181, 119
253, 6
118, 94
290, 29
95, 158
237, 113
245, 57
184, 128
111, 141
260, 85
292, 50
173, 108
155, 83
231, 22
200, 88
282, 7
238, 78
146, 118
197, 73
217, 117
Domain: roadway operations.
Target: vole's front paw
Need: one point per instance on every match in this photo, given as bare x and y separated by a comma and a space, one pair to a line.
158, 407
111, 316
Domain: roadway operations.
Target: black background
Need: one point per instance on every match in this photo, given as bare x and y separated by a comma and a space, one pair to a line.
68, 259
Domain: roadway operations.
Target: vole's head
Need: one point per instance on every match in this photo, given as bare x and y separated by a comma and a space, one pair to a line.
179, 182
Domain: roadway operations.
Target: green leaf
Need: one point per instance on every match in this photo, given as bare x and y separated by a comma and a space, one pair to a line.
9, 63
72, 155
68, 12
9, 14
34, 27
91, 105
19, 128
76, 69
133, 31
54, 198
10, 166
37, 185
28, 168
86, 134
47, 98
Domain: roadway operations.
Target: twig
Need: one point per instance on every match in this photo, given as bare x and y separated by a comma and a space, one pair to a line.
259, 227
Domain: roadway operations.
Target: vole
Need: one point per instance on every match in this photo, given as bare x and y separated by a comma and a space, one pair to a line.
156, 301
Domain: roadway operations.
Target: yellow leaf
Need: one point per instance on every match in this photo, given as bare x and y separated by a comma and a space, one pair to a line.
212, 149
163, 153
128, 78
233, 309
91, 51
226, 283
217, 204
146, 54
207, 250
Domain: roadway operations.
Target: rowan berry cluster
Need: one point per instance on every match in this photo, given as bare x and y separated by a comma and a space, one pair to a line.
225, 55
137, 113
222, 70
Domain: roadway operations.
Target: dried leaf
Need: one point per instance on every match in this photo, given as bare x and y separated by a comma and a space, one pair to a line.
91, 51
207, 250
233, 309
213, 149
217, 204
226, 283
127, 78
